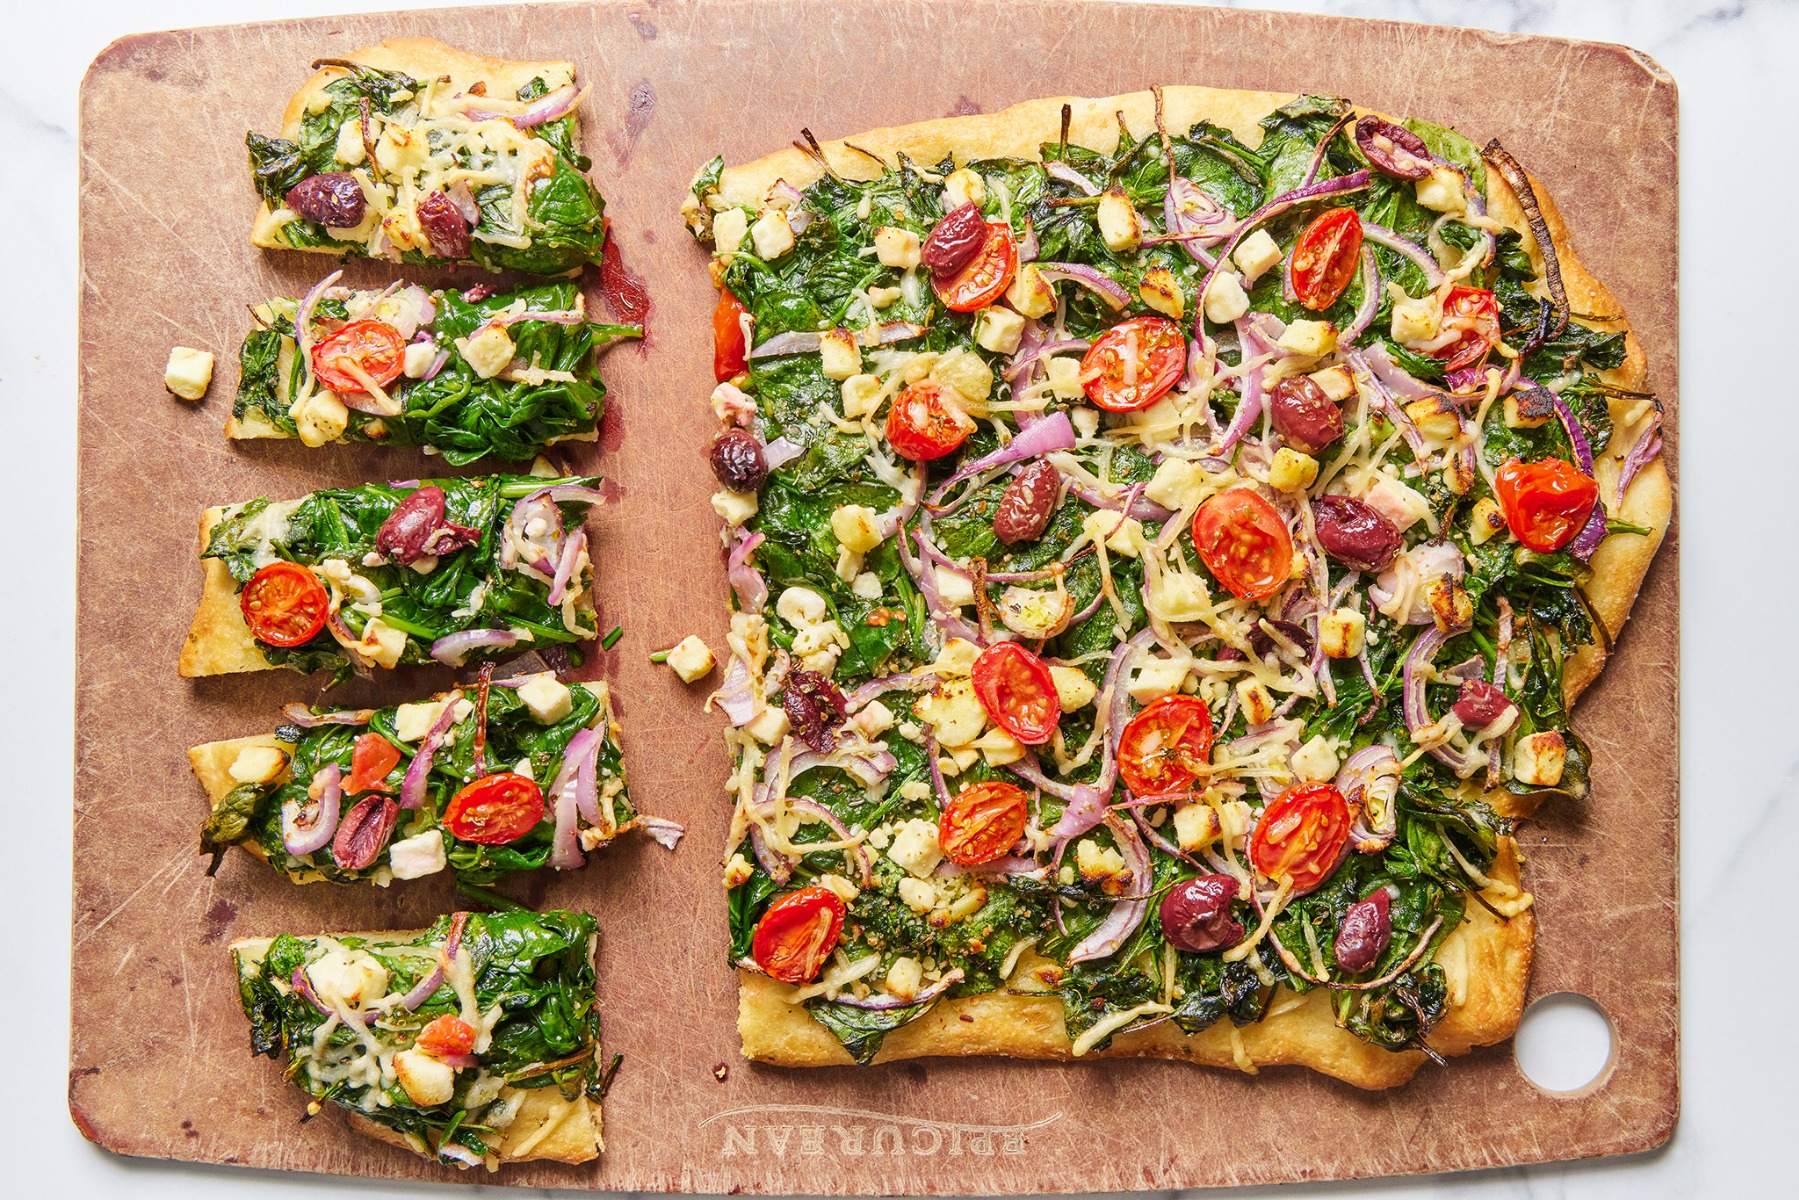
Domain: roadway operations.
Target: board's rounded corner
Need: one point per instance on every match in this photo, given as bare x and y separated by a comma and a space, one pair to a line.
83, 1123
115, 56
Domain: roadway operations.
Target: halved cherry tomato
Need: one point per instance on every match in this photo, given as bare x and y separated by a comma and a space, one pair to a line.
1546, 503
1166, 746
925, 422
797, 934
371, 348
1476, 306
982, 822
980, 282
1244, 543
447, 1035
1018, 692
1138, 361
495, 809
730, 349
1301, 836
373, 757
1324, 257
284, 604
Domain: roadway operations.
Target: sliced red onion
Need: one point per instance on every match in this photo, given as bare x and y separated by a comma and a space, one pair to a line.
462, 198
1027, 245
778, 866
1253, 398
572, 548
1141, 509
565, 842
1429, 561
1425, 261
427, 987
580, 759
305, 718
1054, 432
1128, 912
1083, 812
1193, 220
303, 985
1648, 446
780, 452
437, 365
1072, 177
303, 321
746, 581
1091, 278
1023, 366
924, 575
549, 107
1417, 713
1404, 385
308, 828
735, 695
1364, 313
1358, 772
1591, 534
667, 833
868, 769
889, 332
412, 787
874, 689
792, 342
558, 317
884, 1001
857, 853
1031, 771
454, 648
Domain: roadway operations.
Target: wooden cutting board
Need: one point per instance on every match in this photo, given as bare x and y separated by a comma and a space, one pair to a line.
158, 1060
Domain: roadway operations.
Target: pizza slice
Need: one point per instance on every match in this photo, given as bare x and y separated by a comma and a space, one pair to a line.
413, 151
466, 373
504, 775
1166, 535
474, 1043
445, 570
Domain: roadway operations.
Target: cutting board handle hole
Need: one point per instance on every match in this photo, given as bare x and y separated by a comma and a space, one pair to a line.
1566, 1045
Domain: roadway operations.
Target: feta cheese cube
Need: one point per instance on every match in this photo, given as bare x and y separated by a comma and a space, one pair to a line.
1120, 534
1257, 704
1313, 339
1416, 322
915, 848
738, 872
418, 359
1158, 677
1197, 826
1064, 377
1073, 688
1256, 255
857, 527
546, 697
1119, 226
906, 974
964, 186
1399, 503
488, 350
839, 355
841, 887
999, 330
999, 748
1178, 596
1335, 382
957, 657
966, 373
734, 508
427, 1080
320, 419
884, 297
874, 719
1315, 760
1225, 298
350, 149
1292, 471
729, 228
354, 977
399, 149
1030, 293
896, 247
1100, 864
866, 585
954, 588
769, 726
1441, 190
1528, 410
1177, 483
188, 373
953, 711
861, 396
258, 764
1161, 291
418, 856
1341, 632
382, 642
1485, 521
1435, 418
771, 235
1539, 759
691, 659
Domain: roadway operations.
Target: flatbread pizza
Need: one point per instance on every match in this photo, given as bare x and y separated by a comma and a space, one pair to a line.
1167, 534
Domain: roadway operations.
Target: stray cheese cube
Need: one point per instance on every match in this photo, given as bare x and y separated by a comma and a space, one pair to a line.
953, 711
906, 973
382, 642
999, 748
954, 588
1486, 520
1256, 254
1335, 382
915, 848
1313, 339
1162, 292
546, 697
1064, 375
874, 719
1292, 471
1341, 632
1315, 760
416, 857
1538, 760
1119, 226
734, 508
896, 247
258, 764
1158, 677
321, 419
729, 228
839, 356
771, 235
1225, 298
427, 1080
1441, 190
188, 373
999, 330
1030, 293
1257, 704
856, 527
861, 396
769, 726
738, 872
1397, 502
1073, 688
691, 659
963, 187
489, 350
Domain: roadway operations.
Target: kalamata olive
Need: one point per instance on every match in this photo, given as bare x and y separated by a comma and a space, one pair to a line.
1263, 645
402, 536
956, 239
1196, 915
737, 460
444, 225
1393, 149
1480, 704
364, 832
815, 708
1367, 928
333, 199
1024, 508
1304, 415
1354, 533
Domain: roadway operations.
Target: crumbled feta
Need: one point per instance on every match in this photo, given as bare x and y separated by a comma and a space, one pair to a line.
1225, 298
1073, 688
418, 856
320, 419
840, 357
1161, 291
861, 396
1539, 759
1441, 190
1315, 760
1030, 293
1292, 471
915, 847
1256, 255
999, 330
734, 508
427, 1080
771, 235
896, 247
856, 527
1313, 339
1341, 632
691, 659
1119, 226
546, 697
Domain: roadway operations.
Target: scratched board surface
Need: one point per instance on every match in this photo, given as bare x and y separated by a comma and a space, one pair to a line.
159, 1063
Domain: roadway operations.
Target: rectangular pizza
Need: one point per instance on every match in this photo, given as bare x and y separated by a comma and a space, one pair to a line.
418, 571
413, 151
467, 374
1167, 535
475, 1042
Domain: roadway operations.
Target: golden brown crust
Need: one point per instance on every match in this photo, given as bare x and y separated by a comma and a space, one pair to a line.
218, 642
1491, 958
421, 58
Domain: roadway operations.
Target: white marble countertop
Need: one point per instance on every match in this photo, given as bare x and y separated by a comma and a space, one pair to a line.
1733, 61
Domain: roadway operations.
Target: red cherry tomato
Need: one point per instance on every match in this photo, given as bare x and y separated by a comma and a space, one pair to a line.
495, 809
1166, 747
1244, 543
797, 934
925, 422
1546, 503
980, 282
1477, 306
447, 1036
1324, 257
362, 348
1301, 835
1018, 692
373, 757
284, 604
730, 348
1138, 362
982, 822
